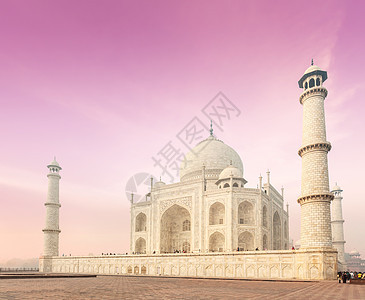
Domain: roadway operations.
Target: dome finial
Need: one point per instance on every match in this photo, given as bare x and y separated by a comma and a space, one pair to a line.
312, 62
211, 128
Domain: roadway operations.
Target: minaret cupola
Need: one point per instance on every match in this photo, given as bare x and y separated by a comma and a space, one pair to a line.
312, 77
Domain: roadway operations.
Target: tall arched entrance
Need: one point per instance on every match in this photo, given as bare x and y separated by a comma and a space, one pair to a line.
175, 231
246, 241
276, 231
140, 247
264, 242
216, 242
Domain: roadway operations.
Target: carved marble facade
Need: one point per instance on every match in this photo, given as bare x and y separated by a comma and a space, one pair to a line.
210, 209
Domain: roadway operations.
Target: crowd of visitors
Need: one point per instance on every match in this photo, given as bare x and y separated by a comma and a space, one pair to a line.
346, 276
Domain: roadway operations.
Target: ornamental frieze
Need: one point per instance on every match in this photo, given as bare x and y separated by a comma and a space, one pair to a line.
212, 231
325, 146
315, 198
312, 92
212, 201
175, 193
252, 201
184, 202
242, 230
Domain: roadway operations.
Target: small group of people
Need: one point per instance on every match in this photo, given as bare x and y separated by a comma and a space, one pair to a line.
346, 276
242, 249
180, 251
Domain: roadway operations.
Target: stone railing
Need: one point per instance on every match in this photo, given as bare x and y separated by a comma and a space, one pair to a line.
19, 269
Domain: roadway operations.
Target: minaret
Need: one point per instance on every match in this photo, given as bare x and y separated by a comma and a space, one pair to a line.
338, 239
315, 198
52, 231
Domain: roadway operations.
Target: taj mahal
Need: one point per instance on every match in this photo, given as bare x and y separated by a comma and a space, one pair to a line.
209, 224
210, 209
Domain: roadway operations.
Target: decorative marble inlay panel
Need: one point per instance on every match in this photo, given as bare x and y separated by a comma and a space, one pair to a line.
184, 202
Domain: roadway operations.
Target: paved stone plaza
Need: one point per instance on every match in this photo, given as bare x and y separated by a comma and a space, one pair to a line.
122, 287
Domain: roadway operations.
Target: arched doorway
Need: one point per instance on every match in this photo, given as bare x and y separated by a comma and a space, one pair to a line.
264, 242
140, 246
246, 241
216, 242
276, 232
175, 230
186, 247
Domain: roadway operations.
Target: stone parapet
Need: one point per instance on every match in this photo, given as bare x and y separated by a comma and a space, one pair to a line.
326, 146
318, 264
316, 91
315, 198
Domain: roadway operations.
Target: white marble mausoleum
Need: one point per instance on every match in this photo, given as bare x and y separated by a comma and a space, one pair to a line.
210, 209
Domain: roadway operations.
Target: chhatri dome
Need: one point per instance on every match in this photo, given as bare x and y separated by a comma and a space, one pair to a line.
54, 163
230, 171
336, 188
313, 70
214, 155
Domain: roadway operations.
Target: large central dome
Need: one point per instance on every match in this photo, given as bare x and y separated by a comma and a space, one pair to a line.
214, 155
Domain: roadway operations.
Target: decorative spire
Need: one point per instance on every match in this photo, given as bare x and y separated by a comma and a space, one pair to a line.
312, 62
211, 128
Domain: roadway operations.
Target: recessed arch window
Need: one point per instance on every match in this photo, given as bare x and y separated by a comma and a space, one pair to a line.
186, 247
186, 225
216, 242
277, 231
264, 242
141, 222
140, 247
318, 82
246, 241
226, 185
216, 214
306, 85
235, 184
311, 83
246, 213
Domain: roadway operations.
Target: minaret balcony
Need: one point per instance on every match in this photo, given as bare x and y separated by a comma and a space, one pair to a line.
314, 91
325, 146
51, 230
52, 204
315, 198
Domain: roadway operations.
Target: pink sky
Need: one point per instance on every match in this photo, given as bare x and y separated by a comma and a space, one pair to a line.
104, 85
